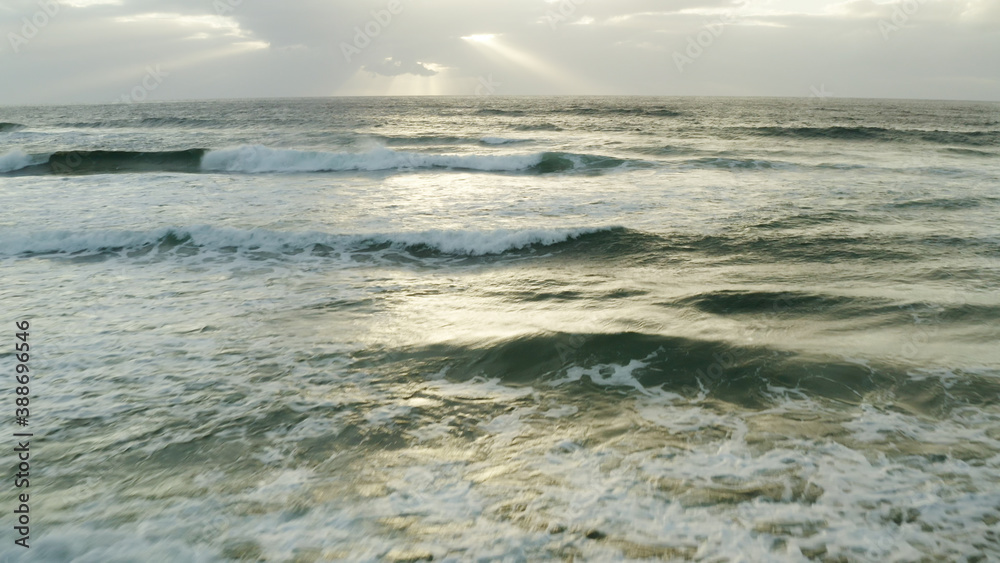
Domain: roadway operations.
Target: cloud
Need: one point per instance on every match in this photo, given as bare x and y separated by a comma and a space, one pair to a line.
394, 67
93, 50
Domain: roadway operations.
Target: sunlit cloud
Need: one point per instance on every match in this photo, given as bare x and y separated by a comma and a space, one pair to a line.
223, 23
391, 66
480, 38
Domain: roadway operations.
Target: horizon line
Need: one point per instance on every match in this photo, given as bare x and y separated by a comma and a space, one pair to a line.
493, 96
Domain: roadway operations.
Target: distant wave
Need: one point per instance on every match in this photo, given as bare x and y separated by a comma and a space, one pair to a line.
253, 159
493, 111
586, 111
147, 122
755, 302
8, 127
970, 152
537, 127
876, 311
176, 122
632, 111
948, 203
844, 133
86, 124
737, 164
502, 141
423, 243
974, 138
423, 140
104, 162
404, 140
812, 219
661, 113
664, 150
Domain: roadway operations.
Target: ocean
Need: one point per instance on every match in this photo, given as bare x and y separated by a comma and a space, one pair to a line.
506, 329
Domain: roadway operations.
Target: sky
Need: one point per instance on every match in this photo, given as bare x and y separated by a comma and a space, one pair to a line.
101, 51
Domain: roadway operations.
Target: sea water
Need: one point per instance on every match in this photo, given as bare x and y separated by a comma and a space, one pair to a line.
507, 329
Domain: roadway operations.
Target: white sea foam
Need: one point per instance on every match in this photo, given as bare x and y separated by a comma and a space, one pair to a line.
387, 414
614, 375
460, 242
607, 375
15, 160
258, 159
87, 545
476, 243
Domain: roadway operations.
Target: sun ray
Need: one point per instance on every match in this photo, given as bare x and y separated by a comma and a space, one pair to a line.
491, 45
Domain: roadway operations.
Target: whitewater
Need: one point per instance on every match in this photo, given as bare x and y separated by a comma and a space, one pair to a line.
513, 329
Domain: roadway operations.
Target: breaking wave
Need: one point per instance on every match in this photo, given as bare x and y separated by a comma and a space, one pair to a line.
255, 159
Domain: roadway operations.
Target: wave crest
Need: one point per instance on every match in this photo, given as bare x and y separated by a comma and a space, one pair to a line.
255, 159
501, 141
259, 159
208, 238
879, 134
16, 159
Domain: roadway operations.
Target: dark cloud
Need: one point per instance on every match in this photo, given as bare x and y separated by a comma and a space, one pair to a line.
394, 67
